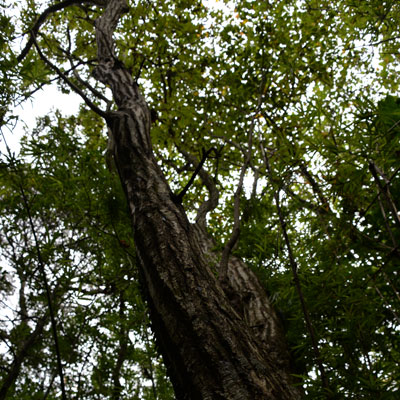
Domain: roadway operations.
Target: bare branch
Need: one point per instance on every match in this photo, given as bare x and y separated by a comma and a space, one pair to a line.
384, 190
223, 267
41, 266
83, 82
198, 168
299, 289
212, 202
42, 18
75, 88
293, 264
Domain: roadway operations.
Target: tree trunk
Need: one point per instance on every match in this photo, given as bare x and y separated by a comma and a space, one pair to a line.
217, 342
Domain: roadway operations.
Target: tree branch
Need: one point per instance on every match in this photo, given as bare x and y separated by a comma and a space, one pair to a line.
315, 187
384, 190
293, 264
123, 345
212, 201
385, 219
299, 290
230, 243
388, 305
384, 187
75, 88
20, 356
42, 18
82, 81
181, 194
43, 273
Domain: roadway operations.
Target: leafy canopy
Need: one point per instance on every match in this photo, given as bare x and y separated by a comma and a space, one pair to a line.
307, 91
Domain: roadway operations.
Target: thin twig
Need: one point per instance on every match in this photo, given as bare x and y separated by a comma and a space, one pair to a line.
385, 219
384, 189
210, 183
43, 273
230, 243
384, 41
122, 351
75, 88
297, 283
294, 268
181, 194
42, 18
82, 81
385, 302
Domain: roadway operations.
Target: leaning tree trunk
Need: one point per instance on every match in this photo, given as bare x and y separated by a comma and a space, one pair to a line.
217, 343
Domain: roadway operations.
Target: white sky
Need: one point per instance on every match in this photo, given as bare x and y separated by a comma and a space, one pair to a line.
43, 101
49, 98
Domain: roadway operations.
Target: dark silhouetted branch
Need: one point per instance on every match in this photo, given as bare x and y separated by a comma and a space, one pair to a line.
42, 18
75, 88
179, 197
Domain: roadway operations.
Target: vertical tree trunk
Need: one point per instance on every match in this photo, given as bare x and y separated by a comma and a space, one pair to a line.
218, 343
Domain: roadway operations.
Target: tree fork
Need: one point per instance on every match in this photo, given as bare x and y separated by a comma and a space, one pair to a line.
207, 335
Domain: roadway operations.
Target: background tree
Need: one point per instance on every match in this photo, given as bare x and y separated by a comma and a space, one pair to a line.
299, 98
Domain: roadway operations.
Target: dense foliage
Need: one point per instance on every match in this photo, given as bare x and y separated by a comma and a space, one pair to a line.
299, 96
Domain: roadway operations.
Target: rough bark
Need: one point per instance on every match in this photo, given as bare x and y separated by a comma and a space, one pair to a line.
218, 343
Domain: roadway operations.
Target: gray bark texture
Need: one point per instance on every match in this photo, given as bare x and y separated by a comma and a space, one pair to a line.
218, 341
